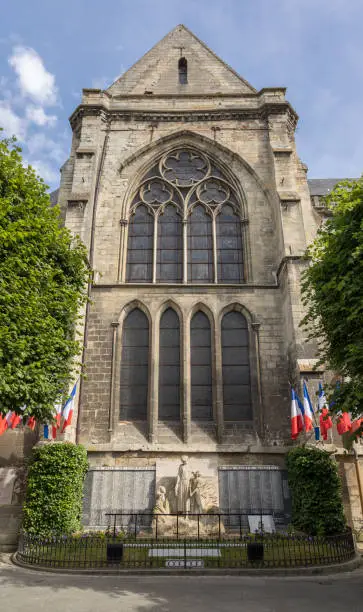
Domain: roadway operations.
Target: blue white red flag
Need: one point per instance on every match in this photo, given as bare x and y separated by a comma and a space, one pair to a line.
308, 410
297, 424
68, 408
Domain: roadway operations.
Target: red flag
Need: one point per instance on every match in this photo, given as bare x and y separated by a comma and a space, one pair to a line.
31, 422
325, 423
344, 423
6, 422
356, 425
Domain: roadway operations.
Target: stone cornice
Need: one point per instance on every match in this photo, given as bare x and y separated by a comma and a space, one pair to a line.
261, 112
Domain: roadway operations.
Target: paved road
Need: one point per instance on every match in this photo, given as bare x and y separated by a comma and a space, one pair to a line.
27, 591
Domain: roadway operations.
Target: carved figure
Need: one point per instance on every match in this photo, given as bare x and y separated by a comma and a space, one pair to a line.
196, 505
182, 487
162, 503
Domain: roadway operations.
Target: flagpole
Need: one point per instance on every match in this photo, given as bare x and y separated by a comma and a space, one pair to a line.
359, 477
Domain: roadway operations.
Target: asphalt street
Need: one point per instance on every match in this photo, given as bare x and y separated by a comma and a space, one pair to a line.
24, 590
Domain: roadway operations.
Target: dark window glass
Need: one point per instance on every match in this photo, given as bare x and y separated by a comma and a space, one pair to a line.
201, 368
140, 246
169, 367
169, 263
183, 71
236, 368
229, 247
200, 247
134, 367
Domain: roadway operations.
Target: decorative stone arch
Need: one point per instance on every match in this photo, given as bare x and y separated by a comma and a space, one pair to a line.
146, 157
253, 327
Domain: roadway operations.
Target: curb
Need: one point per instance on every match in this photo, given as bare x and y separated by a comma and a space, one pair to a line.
314, 570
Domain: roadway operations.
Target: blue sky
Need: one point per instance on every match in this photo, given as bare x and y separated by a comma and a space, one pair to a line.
49, 50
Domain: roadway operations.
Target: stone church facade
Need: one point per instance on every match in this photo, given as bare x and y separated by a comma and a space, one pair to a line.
185, 185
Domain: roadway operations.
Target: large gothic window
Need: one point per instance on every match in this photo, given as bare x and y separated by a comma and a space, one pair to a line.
201, 368
236, 368
135, 367
169, 367
186, 224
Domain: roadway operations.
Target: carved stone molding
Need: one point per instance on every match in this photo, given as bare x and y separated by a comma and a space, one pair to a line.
260, 113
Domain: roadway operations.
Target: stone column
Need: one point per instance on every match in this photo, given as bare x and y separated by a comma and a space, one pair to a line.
111, 410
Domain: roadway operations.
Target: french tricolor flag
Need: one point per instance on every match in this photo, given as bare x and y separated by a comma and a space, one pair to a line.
48, 432
308, 410
297, 424
68, 408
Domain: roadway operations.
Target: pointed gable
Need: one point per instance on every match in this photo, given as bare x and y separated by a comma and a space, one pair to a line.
158, 70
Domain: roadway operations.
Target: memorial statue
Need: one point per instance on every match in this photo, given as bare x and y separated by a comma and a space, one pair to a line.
196, 506
182, 487
162, 503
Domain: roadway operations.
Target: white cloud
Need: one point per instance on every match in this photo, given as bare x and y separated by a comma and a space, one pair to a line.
46, 171
40, 145
38, 116
100, 82
12, 124
34, 80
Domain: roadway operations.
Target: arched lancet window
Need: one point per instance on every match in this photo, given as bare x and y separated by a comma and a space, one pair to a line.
201, 368
169, 367
196, 214
229, 246
200, 246
169, 266
140, 246
134, 367
236, 368
183, 71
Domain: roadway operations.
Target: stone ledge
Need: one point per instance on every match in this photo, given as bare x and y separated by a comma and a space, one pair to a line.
187, 448
315, 570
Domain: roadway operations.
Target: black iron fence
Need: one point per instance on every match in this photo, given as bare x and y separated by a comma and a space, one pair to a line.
184, 525
147, 549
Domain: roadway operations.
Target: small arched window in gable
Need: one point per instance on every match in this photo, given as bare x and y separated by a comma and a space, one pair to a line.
183, 71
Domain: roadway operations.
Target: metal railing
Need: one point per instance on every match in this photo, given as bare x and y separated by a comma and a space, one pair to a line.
229, 548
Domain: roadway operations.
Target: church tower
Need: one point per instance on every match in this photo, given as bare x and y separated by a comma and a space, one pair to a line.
185, 185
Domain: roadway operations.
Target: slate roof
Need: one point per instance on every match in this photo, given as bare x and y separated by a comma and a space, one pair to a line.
321, 187
54, 197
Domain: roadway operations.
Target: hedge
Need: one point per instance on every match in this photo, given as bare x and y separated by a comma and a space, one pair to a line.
53, 502
317, 506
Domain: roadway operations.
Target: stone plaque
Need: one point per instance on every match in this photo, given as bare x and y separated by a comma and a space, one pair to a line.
264, 522
180, 564
8, 477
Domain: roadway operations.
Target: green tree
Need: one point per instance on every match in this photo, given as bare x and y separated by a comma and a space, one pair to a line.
43, 284
333, 293
317, 506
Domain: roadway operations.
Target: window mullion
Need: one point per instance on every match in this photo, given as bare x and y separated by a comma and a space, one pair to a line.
215, 267
185, 251
155, 246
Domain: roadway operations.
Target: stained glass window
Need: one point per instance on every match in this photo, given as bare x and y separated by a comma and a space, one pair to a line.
169, 367
169, 266
134, 367
236, 368
201, 368
229, 247
140, 246
200, 247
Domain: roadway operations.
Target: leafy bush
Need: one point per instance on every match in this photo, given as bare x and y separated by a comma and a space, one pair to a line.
55, 487
317, 507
